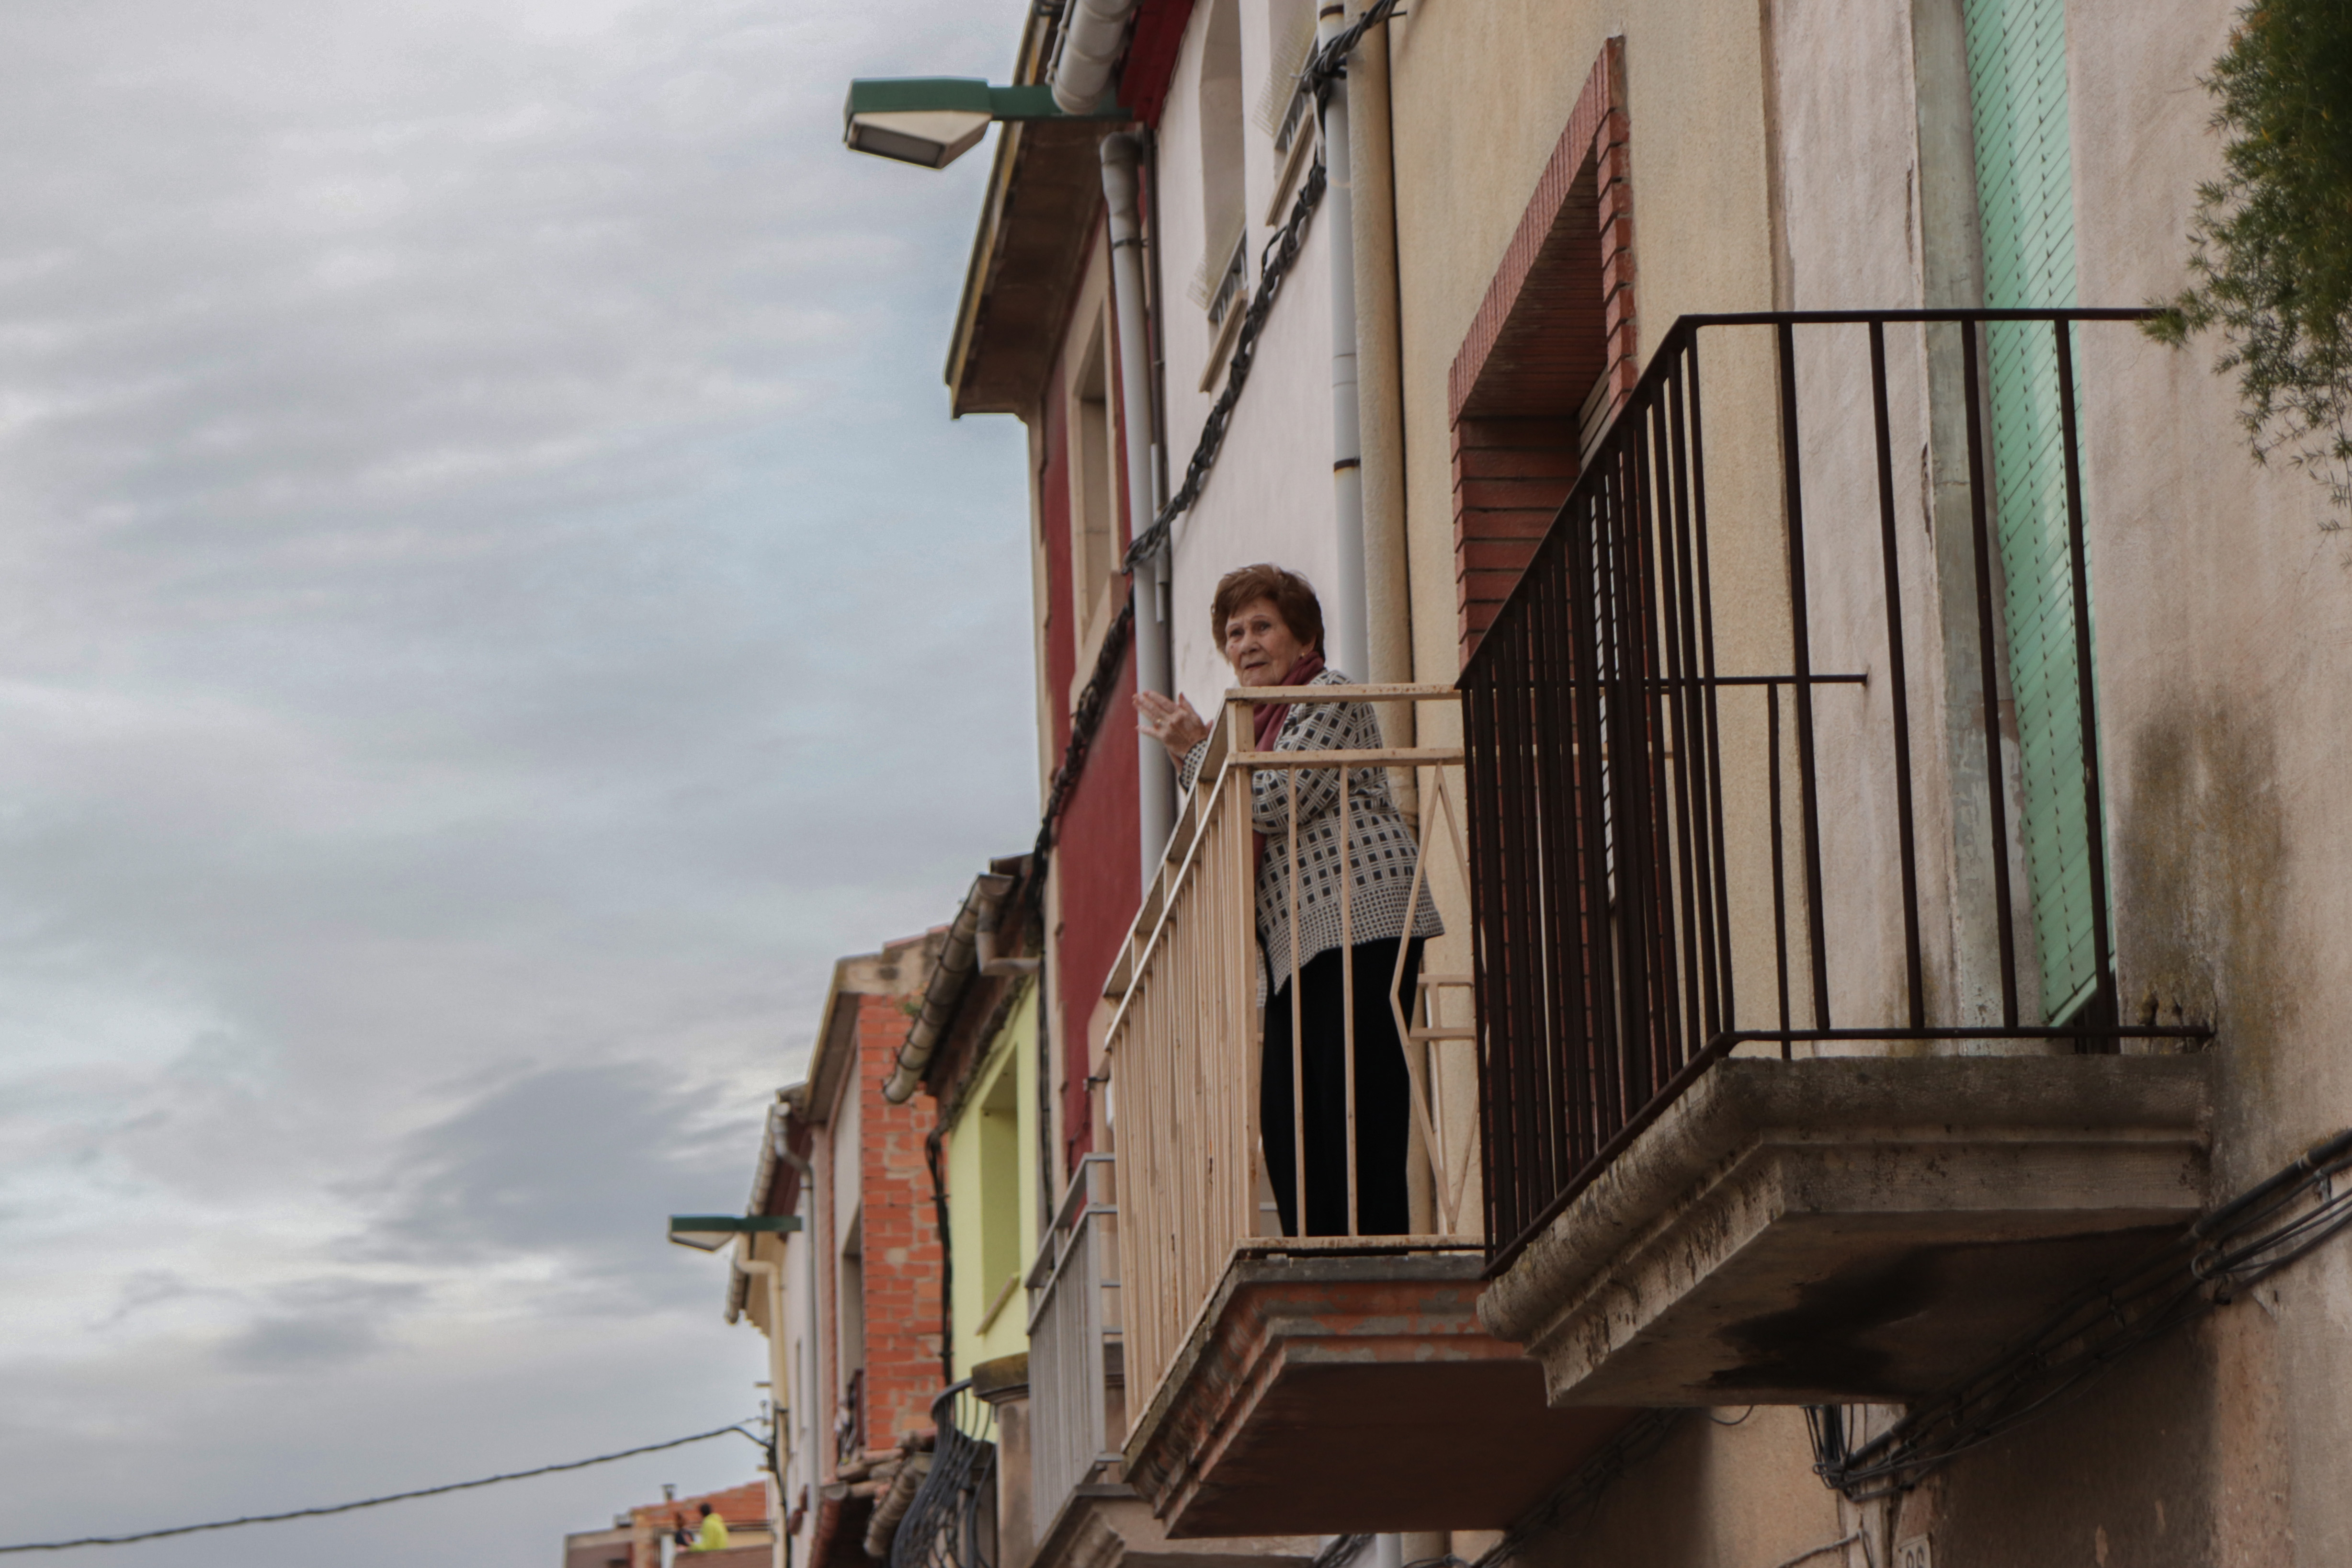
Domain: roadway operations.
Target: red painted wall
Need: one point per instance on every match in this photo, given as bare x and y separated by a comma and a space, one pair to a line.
1096, 859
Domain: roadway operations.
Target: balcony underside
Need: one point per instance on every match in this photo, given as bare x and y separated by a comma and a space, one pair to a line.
1106, 1525
1853, 1228
1331, 1389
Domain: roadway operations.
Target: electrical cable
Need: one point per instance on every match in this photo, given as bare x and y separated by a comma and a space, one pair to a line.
2227, 1252
1580, 1494
1085, 719
1326, 66
1339, 1550
378, 1502
1827, 1547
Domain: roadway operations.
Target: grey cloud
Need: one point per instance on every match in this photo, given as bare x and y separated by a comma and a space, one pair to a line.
314, 1325
491, 605
579, 1163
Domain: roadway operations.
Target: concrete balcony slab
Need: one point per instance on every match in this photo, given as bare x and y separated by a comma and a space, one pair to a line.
1332, 1387
1853, 1229
1104, 1524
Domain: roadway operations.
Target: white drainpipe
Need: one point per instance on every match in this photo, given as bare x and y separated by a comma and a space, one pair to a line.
1349, 616
1156, 803
1090, 42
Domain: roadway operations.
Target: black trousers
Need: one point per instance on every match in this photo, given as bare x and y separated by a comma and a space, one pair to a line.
1383, 1095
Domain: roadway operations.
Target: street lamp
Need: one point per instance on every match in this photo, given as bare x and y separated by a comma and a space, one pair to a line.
935, 119
709, 1232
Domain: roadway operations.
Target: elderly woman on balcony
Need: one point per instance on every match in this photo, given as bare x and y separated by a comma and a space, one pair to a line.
1270, 625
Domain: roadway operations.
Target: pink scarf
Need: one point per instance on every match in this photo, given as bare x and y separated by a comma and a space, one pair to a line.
1270, 717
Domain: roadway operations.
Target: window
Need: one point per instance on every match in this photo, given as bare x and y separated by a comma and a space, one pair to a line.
1289, 35
1094, 534
1000, 1197
1222, 218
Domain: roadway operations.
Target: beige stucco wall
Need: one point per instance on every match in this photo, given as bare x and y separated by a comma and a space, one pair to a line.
1727, 1489
1481, 94
2225, 649
2224, 628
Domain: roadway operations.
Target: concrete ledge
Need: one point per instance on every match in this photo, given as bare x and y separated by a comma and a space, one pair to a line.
1327, 1392
1106, 1525
1852, 1228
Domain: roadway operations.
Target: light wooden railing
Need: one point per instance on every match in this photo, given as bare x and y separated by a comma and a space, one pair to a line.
1184, 1044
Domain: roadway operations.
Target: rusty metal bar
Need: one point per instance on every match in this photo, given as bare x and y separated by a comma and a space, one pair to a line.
2102, 995
1899, 682
1988, 668
1801, 658
1603, 866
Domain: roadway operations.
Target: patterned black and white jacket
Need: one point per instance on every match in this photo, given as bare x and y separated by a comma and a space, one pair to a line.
1381, 852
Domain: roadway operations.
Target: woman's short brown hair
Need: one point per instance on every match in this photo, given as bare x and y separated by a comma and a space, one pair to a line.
1292, 597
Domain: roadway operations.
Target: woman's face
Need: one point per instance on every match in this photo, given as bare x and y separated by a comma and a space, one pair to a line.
1259, 644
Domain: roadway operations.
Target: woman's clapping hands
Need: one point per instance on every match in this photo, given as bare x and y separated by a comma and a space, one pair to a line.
1172, 723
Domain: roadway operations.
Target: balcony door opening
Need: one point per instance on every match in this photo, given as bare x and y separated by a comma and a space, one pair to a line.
1550, 356
2017, 79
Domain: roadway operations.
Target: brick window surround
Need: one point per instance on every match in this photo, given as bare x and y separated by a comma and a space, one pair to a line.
1558, 315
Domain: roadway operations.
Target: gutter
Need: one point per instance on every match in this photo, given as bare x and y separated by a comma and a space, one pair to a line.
1091, 40
775, 1145
970, 949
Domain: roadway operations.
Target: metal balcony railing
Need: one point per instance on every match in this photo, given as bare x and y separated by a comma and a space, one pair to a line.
1076, 1415
1719, 797
1184, 1045
951, 1522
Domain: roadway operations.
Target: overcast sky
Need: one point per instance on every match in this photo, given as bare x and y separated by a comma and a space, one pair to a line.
491, 604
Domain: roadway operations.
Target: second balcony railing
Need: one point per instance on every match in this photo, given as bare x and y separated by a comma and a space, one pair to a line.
1787, 737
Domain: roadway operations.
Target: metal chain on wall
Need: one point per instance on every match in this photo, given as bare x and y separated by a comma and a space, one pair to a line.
1326, 66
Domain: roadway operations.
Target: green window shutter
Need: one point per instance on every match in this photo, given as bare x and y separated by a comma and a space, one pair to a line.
2017, 75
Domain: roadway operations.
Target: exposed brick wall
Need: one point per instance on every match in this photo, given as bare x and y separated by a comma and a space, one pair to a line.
743, 1507
1558, 315
901, 1235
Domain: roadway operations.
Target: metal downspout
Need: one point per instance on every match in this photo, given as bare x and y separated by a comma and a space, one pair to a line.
803, 1379
1388, 587
1122, 156
1349, 616
1090, 45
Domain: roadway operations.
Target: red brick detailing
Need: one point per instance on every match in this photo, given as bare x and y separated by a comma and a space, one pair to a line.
899, 1236
1558, 312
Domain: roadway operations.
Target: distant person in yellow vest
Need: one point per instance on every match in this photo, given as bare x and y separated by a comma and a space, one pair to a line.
713, 1534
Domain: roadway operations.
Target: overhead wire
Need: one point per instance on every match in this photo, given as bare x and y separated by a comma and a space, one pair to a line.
1580, 1494
2208, 1264
378, 1501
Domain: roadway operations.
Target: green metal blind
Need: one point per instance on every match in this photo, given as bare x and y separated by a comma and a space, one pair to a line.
2017, 75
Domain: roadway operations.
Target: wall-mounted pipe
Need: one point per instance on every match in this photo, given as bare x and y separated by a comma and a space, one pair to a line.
1349, 620
1122, 158
992, 963
1371, 190
1090, 43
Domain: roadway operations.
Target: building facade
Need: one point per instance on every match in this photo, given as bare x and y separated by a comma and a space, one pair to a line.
1865, 717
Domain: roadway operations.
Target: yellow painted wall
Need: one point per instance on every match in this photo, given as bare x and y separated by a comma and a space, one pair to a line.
991, 1177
